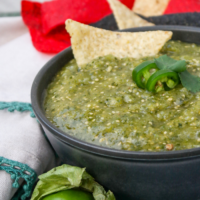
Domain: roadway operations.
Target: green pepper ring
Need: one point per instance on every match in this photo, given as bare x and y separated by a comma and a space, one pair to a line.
139, 71
159, 75
71, 194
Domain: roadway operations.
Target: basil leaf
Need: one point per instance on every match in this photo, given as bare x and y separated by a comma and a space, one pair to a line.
164, 62
189, 81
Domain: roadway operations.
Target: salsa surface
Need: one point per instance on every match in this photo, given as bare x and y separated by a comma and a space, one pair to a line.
101, 104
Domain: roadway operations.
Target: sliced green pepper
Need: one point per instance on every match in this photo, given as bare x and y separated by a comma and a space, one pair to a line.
164, 79
142, 73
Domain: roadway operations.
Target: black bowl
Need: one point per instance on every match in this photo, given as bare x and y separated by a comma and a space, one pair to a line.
130, 175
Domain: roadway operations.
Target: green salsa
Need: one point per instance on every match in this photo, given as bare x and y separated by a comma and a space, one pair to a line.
100, 104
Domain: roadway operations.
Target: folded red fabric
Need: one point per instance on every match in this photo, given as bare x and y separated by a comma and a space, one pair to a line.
46, 20
182, 6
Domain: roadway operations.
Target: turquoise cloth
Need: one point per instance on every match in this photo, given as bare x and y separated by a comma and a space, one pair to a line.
15, 169
19, 106
19, 170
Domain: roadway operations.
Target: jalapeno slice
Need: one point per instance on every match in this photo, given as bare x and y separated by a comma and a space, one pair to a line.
164, 79
142, 73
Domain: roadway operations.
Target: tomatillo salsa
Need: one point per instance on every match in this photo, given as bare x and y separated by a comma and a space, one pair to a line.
100, 104
72, 194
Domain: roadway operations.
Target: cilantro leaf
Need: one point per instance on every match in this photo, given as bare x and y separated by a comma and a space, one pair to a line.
189, 81
164, 62
178, 66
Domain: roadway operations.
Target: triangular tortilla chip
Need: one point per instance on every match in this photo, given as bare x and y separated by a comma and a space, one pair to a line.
125, 17
89, 43
150, 7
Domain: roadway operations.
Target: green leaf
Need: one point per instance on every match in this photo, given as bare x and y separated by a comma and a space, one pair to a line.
164, 62
178, 66
66, 177
189, 81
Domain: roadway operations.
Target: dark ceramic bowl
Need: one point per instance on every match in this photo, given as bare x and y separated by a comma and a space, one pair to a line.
130, 175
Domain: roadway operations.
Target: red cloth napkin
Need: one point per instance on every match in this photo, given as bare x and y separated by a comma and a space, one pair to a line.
181, 6
46, 20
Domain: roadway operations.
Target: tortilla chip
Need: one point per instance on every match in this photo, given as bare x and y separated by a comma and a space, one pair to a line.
150, 7
89, 43
125, 17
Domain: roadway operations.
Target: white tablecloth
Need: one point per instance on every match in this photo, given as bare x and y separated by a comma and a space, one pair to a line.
20, 136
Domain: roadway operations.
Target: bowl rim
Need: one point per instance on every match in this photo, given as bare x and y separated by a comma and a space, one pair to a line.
100, 150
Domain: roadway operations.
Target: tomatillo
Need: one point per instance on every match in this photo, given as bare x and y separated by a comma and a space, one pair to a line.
142, 73
163, 79
72, 194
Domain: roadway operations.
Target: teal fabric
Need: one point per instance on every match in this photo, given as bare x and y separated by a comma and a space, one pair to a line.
18, 170
19, 106
15, 169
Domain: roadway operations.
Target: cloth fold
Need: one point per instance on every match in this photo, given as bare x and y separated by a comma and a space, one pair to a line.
21, 136
23, 141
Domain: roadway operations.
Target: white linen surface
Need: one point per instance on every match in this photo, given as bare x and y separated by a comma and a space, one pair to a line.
10, 6
7, 25
20, 136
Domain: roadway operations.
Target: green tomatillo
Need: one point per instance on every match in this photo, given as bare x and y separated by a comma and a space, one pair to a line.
72, 194
69, 183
